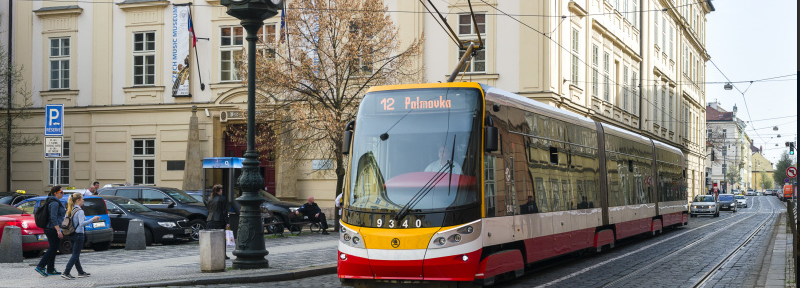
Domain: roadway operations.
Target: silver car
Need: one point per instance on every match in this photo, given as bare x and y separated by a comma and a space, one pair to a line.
741, 201
704, 205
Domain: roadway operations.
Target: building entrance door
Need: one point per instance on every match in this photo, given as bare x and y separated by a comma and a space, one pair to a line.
236, 147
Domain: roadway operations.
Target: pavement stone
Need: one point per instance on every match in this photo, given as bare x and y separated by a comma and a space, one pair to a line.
120, 267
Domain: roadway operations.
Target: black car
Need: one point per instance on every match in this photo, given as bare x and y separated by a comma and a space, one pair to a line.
165, 199
727, 202
281, 210
12, 198
159, 227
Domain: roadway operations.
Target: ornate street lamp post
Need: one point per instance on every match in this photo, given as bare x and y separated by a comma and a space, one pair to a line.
250, 249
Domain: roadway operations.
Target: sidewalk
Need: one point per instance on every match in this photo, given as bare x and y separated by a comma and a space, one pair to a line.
781, 267
290, 257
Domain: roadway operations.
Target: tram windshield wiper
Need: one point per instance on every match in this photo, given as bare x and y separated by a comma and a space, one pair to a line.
428, 187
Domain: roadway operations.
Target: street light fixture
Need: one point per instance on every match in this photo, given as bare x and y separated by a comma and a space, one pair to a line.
250, 248
728, 86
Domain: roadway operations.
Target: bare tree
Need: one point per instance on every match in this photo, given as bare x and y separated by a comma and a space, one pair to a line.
13, 105
311, 85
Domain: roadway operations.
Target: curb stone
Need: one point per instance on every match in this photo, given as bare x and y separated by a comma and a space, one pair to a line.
279, 276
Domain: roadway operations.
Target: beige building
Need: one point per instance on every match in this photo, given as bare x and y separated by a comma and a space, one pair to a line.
638, 64
761, 168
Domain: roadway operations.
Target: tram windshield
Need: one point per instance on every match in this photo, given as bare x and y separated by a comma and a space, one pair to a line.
418, 149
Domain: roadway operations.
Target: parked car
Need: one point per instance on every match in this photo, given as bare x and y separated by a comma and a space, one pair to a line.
98, 234
33, 238
727, 202
750, 192
159, 227
168, 200
197, 196
741, 201
12, 198
282, 211
704, 205
769, 192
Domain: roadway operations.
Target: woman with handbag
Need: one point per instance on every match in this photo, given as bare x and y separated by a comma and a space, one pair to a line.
218, 208
76, 214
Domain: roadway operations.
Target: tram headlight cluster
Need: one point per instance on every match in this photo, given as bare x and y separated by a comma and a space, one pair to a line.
350, 237
455, 236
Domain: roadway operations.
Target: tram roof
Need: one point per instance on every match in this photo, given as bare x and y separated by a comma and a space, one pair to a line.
514, 100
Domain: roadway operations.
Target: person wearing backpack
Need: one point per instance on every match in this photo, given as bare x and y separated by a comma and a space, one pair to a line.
74, 223
53, 211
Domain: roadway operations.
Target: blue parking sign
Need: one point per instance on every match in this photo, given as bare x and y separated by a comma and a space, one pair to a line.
54, 120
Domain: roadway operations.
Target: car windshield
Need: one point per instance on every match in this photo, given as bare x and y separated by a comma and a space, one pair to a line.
725, 197
180, 196
9, 210
739, 197
269, 197
704, 198
131, 206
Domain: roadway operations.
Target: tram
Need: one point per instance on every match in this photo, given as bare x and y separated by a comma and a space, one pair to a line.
467, 182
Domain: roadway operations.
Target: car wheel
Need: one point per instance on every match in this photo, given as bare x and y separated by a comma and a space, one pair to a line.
148, 237
274, 228
31, 254
197, 225
65, 246
102, 246
716, 214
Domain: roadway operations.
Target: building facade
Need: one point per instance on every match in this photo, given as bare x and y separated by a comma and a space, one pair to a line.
762, 169
639, 65
730, 146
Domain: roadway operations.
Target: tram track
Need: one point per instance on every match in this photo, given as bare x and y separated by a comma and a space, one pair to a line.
645, 268
714, 270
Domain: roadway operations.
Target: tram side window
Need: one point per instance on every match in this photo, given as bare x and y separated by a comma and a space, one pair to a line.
489, 186
556, 205
566, 192
591, 192
541, 195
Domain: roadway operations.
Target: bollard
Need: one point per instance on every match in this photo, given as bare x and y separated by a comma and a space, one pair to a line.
212, 250
11, 245
134, 240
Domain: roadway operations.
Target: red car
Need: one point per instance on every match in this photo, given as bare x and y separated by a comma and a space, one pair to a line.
33, 238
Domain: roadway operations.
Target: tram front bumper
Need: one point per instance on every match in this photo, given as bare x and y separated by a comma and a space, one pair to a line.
459, 267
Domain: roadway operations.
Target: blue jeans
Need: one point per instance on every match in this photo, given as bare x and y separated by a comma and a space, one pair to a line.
77, 244
49, 258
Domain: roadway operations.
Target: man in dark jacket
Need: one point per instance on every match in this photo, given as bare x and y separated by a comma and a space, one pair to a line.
52, 231
315, 214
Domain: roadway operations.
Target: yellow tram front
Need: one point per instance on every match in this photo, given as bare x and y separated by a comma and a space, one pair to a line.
412, 203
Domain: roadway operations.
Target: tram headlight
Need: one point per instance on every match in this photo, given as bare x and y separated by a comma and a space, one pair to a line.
439, 241
455, 238
356, 240
344, 256
342, 228
463, 258
466, 230
346, 237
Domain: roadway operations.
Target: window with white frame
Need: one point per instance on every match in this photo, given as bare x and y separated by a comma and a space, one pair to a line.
655, 30
625, 10
655, 104
574, 57
635, 13
59, 168
635, 108
685, 121
59, 63
606, 89
664, 33
144, 58
231, 45
671, 42
144, 161
663, 107
625, 88
268, 40
595, 61
685, 60
671, 114
466, 31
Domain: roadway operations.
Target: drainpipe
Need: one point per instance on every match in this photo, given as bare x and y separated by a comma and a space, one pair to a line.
641, 63
10, 96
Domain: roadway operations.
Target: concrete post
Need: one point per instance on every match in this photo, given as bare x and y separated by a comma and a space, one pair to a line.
11, 245
134, 240
212, 250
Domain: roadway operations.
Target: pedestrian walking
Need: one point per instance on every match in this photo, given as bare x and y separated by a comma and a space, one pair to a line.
92, 190
55, 212
218, 208
75, 211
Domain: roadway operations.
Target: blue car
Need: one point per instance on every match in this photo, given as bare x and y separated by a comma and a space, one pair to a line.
98, 235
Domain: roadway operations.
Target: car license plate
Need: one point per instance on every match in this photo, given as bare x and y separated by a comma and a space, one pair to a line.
188, 230
99, 224
41, 237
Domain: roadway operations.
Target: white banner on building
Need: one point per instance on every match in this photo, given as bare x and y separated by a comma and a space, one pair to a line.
181, 45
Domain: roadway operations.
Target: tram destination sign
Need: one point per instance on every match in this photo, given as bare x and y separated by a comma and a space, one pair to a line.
431, 100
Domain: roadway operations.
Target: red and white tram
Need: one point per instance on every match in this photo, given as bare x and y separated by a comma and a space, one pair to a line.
466, 182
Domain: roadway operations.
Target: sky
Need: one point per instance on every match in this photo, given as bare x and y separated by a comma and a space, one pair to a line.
751, 40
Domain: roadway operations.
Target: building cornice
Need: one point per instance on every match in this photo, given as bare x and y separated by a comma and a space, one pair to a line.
618, 42
73, 10
140, 4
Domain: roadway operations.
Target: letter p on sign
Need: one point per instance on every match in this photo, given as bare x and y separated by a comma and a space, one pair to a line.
54, 120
